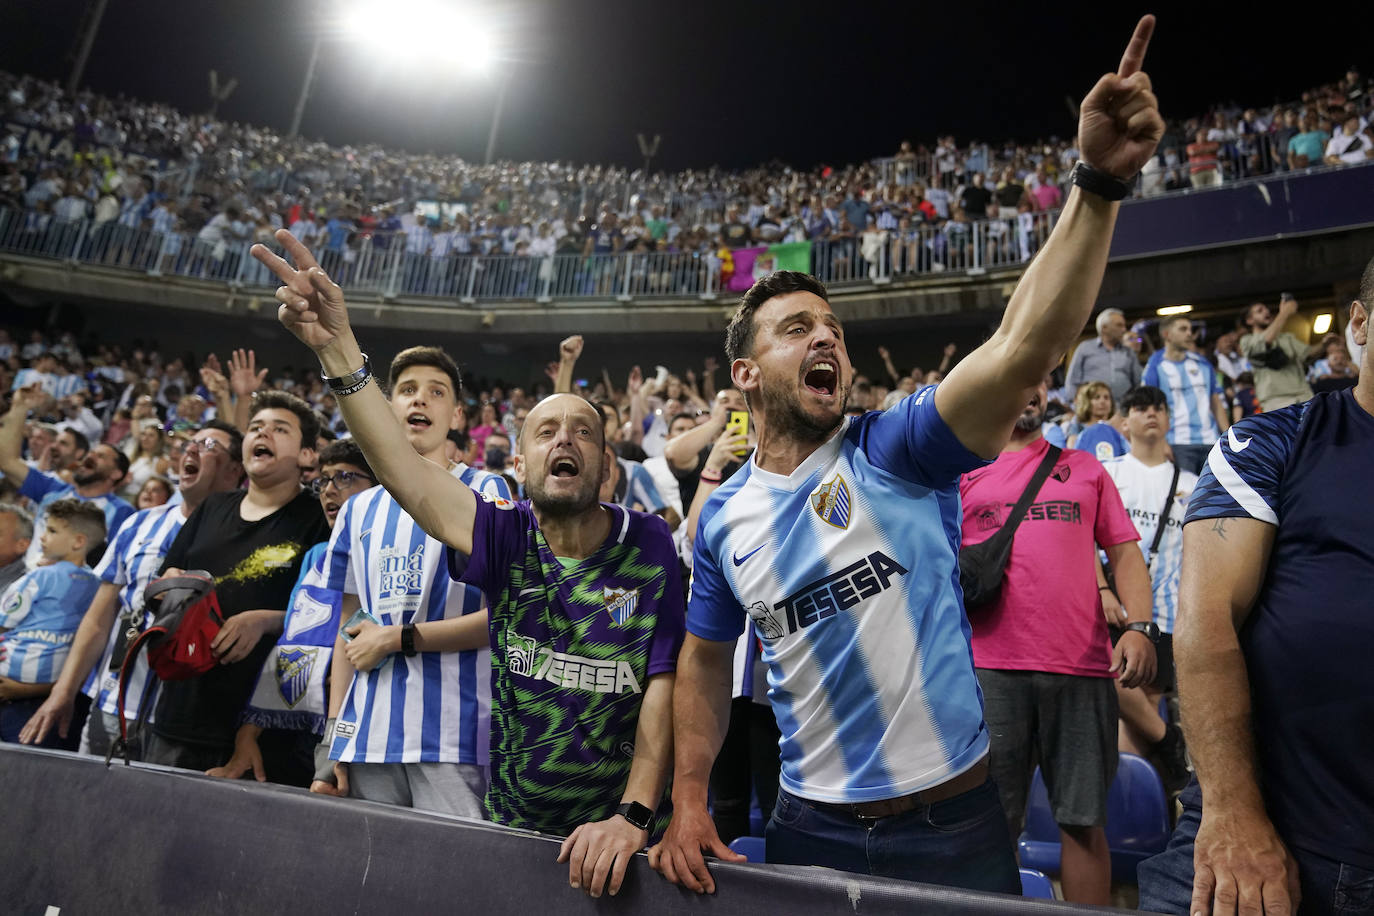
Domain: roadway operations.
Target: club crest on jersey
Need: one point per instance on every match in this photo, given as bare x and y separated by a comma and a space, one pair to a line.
831, 502
520, 652
293, 673
620, 603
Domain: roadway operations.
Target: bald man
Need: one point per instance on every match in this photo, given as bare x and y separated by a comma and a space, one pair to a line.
586, 604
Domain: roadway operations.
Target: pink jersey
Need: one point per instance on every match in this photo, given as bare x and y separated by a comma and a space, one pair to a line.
1049, 615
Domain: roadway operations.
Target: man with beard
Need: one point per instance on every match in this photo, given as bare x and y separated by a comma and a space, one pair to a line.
211, 464
94, 479
839, 540
585, 601
1276, 356
1042, 650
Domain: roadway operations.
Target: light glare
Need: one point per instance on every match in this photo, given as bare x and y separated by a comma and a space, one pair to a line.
1173, 310
1322, 323
423, 32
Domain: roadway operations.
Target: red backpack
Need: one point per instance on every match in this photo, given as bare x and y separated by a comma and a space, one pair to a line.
186, 619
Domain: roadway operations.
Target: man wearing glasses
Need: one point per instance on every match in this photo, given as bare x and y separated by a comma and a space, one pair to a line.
210, 463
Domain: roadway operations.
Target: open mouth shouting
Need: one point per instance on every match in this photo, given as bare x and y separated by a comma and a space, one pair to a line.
190, 467
417, 422
822, 378
331, 509
564, 466
262, 451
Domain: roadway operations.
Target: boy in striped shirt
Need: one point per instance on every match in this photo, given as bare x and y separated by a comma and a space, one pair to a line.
40, 612
409, 715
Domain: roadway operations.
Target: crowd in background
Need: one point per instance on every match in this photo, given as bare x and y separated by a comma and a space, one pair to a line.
144, 166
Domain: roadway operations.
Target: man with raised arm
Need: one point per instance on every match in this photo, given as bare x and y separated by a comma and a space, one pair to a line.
839, 540
585, 601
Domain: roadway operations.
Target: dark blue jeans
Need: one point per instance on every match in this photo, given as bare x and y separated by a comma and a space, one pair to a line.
1328, 886
959, 842
1191, 457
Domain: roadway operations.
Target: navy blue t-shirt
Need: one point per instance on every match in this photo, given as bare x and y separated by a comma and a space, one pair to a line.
1305, 470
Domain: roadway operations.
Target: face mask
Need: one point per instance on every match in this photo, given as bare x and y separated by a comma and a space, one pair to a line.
496, 458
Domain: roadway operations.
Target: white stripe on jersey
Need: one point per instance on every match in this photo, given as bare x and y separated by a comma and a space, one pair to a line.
1188, 386
400, 575
1235, 485
132, 561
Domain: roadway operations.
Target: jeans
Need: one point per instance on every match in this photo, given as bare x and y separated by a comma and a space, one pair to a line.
1328, 886
958, 842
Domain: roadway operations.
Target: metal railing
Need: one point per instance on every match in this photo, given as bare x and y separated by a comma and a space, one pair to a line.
383, 265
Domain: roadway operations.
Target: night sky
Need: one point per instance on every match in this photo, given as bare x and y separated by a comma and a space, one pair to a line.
733, 84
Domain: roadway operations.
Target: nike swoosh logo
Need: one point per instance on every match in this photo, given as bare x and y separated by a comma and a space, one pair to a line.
740, 559
1236, 444
530, 591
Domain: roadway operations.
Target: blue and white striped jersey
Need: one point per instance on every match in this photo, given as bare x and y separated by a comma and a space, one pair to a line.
41, 610
1189, 384
131, 561
1143, 490
848, 569
637, 489
433, 707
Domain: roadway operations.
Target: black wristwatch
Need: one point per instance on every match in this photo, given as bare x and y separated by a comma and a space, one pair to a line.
1104, 185
1148, 627
408, 640
637, 814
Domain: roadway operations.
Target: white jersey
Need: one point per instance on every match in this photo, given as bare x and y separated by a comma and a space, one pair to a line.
1143, 490
435, 706
130, 562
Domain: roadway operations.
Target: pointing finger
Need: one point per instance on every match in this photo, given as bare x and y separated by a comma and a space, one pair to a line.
1134, 57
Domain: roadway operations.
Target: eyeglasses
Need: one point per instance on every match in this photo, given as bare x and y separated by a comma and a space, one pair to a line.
343, 480
207, 445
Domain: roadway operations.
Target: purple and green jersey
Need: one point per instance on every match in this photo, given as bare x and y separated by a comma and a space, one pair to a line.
573, 648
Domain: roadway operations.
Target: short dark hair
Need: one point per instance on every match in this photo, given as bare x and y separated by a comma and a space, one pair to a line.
433, 357
85, 517
1141, 397
281, 400
346, 451
1367, 286
682, 416
80, 439
1173, 320
121, 462
739, 336
235, 437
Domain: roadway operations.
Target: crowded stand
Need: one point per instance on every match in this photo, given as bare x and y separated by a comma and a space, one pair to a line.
169, 192
774, 596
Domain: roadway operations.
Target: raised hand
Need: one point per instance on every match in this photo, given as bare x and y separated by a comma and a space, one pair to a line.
1119, 124
244, 375
571, 348
312, 305
635, 382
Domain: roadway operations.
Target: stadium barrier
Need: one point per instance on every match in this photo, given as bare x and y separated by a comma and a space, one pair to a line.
81, 838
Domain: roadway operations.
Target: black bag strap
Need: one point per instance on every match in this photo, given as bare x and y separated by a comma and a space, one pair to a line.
194, 578
122, 744
1018, 512
1164, 515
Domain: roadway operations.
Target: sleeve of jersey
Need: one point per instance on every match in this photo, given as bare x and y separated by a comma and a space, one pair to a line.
338, 571
669, 626
109, 569
494, 485
17, 601
1244, 470
913, 441
118, 512
712, 609
1151, 374
646, 489
38, 484
1113, 525
176, 553
492, 526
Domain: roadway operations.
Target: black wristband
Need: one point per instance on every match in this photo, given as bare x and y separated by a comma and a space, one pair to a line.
638, 815
408, 640
1105, 186
354, 381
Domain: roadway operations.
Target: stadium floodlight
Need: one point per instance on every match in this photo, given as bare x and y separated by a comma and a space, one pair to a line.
426, 31
1322, 323
1167, 310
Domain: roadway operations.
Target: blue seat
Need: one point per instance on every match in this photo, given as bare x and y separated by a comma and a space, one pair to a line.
751, 847
1137, 821
1036, 884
